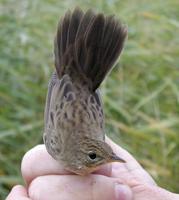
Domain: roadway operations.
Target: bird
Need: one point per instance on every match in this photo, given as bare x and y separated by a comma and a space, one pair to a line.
86, 47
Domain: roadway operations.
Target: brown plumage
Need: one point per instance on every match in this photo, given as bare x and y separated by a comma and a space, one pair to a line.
86, 47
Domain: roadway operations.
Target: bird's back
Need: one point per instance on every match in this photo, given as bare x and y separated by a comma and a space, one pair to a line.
73, 104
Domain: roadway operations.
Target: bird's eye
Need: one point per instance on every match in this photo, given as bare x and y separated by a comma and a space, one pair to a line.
92, 155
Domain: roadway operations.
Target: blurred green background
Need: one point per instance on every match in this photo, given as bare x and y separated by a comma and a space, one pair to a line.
141, 95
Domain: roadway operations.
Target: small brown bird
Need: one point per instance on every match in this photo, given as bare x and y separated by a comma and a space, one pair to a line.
86, 47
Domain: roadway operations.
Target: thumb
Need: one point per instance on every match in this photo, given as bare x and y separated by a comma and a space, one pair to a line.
69, 187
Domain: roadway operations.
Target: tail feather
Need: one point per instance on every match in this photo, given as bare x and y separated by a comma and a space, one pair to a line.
73, 26
62, 35
85, 21
88, 44
80, 48
93, 43
61, 41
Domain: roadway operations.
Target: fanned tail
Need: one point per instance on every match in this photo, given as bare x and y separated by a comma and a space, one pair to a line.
88, 44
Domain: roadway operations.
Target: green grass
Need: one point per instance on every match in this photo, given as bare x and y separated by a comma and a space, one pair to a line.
141, 95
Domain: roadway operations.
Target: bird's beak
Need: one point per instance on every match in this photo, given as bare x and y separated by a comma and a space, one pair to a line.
115, 158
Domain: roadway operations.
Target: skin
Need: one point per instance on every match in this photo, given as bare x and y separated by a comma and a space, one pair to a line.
52, 181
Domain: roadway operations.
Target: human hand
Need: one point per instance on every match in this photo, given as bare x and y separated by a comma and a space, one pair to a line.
47, 179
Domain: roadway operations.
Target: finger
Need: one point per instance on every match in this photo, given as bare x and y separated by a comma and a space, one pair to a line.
105, 170
18, 192
78, 188
37, 162
131, 171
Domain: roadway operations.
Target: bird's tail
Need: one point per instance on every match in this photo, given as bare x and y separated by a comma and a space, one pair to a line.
87, 45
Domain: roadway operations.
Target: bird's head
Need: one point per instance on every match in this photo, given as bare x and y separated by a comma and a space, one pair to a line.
89, 154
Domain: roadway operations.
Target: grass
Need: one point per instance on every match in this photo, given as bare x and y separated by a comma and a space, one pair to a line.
141, 95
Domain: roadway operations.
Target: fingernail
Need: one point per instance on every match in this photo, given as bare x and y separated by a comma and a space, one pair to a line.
122, 192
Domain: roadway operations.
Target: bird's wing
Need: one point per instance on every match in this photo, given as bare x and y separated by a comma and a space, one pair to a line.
97, 107
59, 92
51, 84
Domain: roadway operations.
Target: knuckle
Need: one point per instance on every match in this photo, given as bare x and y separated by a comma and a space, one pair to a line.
28, 160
